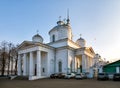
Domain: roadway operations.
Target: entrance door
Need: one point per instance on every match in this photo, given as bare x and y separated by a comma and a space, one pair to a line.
35, 69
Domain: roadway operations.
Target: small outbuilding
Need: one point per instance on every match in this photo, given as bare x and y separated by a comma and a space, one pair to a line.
112, 67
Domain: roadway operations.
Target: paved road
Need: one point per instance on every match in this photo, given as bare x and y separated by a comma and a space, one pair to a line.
58, 83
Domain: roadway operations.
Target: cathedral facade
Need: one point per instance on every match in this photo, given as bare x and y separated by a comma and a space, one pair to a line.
61, 55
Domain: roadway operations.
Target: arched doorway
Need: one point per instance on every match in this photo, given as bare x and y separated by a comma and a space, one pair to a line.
59, 66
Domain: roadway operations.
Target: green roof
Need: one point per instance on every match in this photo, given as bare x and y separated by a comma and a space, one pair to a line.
116, 63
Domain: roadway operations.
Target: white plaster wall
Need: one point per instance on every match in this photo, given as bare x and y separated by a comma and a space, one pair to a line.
58, 44
55, 32
50, 67
70, 34
43, 63
62, 33
61, 55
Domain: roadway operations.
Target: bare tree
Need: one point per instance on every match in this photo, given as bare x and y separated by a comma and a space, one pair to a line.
16, 58
13, 58
9, 57
3, 56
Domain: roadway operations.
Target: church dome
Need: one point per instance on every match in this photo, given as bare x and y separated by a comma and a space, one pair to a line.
61, 31
60, 25
60, 22
37, 38
81, 42
81, 39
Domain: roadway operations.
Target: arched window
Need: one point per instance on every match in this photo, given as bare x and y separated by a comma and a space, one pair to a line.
53, 38
60, 66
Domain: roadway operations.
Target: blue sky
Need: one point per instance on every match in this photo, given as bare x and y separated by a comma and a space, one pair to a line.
97, 20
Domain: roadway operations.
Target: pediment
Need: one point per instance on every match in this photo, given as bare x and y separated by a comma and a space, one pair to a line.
90, 50
25, 45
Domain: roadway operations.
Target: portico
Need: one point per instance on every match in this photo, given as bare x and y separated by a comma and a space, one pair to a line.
84, 60
32, 63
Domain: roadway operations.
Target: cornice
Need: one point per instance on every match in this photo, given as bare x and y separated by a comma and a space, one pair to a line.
33, 44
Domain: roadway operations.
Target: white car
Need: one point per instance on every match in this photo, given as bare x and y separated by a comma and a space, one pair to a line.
79, 76
70, 75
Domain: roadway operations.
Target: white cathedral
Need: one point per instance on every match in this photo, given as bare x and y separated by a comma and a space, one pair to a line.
61, 55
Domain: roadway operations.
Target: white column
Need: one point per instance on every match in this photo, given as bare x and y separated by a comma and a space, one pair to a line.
69, 68
91, 72
31, 64
19, 64
24, 65
75, 64
117, 69
83, 63
38, 63
87, 64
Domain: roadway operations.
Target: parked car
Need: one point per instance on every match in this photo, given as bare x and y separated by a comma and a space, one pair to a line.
110, 76
116, 77
102, 76
79, 76
55, 75
84, 75
61, 75
70, 75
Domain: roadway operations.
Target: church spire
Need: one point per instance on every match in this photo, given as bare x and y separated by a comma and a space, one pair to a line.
68, 20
